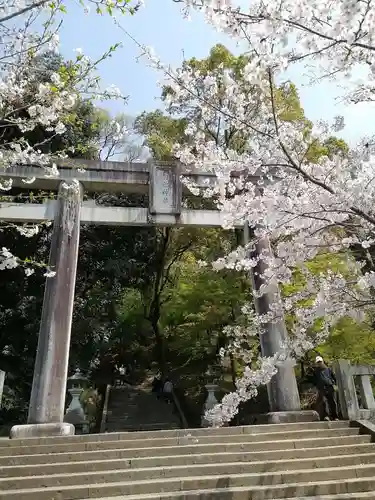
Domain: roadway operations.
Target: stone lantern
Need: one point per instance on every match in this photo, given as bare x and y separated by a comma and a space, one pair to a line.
212, 377
75, 413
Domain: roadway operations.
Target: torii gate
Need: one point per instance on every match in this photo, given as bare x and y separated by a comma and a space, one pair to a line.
163, 182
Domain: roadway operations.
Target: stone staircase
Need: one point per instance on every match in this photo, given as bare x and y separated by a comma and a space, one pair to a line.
138, 409
321, 460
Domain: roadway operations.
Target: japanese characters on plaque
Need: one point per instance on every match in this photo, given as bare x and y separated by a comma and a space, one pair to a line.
164, 197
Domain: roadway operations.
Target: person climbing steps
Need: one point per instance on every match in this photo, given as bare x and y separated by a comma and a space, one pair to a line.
324, 380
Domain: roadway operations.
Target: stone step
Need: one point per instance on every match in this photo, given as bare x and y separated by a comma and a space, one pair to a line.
113, 427
139, 449
135, 408
340, 496
242, 494
132, 426
292, 484
308, 438
124, 404
125, 394
103, 472
169, 467
133, 418
150, 405
141, 435
195, 454
160, 415
283, 462
240, 438
122, 399
145, 413
100, 462
157, 417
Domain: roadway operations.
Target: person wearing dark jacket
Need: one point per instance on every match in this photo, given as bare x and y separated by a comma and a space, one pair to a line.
157, 385
324, 380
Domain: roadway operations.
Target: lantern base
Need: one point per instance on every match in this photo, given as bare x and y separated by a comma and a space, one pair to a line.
41, 430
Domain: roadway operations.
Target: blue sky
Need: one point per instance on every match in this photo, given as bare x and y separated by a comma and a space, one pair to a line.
161, 25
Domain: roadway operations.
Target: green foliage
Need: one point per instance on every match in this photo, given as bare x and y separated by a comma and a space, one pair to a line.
101, 8
83, 127
290, 110
161, 132
82, 122
350, 340
203, 302
219, 57
320, 264
288, 104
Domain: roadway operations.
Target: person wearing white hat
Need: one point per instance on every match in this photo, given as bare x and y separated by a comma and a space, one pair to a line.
325, 381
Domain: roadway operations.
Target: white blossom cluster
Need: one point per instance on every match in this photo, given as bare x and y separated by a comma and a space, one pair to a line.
10, 261
29, 31
27, 103
7, 259
34, 97
246, 389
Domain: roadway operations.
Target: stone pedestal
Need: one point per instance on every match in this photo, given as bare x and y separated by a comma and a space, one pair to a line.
46, 409
210, 402
41, 430
287, 417
74, 413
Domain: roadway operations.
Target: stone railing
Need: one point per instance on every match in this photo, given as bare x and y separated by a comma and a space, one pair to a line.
351, 408
181, 414
103, 422
2, 380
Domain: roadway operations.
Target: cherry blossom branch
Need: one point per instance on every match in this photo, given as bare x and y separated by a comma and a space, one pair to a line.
23, 11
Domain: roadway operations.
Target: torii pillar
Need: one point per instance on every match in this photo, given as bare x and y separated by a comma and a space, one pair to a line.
283, 395
46, 409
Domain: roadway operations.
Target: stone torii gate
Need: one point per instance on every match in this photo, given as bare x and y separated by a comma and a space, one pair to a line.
163, 183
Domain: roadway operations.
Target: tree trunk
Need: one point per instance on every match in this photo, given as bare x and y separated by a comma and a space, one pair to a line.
154, 310
233, 371
161, 348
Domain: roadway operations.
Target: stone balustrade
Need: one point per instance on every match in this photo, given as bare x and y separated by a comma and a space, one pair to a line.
349, 403
2, 380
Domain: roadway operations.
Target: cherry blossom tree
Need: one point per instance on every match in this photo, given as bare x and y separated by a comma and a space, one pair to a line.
32, 98
296, 206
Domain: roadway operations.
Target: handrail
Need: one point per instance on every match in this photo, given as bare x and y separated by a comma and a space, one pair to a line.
176, 402
105, 409
2, 380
